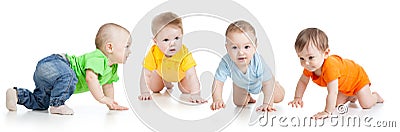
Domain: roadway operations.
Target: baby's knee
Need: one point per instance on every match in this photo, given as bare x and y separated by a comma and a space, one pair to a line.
156, 89
279, 94
278, 99
367, 105
240, 102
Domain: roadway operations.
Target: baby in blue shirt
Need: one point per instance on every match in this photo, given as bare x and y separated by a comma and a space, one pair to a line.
249, 72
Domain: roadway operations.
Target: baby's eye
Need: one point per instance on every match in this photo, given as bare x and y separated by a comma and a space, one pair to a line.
311, 57
177, 38
301, 58
234, 47
165, 40
247, 47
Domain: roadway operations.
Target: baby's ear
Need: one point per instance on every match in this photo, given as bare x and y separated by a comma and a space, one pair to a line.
154, 40
109, 48
326, 53
256, 43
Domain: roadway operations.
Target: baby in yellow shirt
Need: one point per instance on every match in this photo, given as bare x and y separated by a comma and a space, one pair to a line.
169, 60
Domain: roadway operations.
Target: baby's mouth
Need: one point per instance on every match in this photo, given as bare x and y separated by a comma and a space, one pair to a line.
172, 50
310, 68
241, 58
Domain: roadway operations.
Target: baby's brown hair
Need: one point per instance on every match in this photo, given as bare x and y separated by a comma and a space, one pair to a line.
243, 27
165, 19
105, 34
313, 36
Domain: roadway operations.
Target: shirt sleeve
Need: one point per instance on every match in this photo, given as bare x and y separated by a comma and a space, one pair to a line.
188, 62
223, 70
149, 61
264, 70
93, 64
331, 70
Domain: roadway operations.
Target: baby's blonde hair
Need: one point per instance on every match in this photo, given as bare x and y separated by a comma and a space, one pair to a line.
105, 34
242, 27
164, 19
313, 36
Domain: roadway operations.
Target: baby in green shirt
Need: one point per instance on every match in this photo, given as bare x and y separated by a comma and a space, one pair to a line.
58, 76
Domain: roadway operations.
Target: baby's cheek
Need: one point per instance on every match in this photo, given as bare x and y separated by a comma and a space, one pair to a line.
302, 64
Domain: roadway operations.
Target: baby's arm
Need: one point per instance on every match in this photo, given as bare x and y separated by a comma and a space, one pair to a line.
108, 90
330, 100
301, 87
268, 90
94, 88
144, 91
194, 85
218, 102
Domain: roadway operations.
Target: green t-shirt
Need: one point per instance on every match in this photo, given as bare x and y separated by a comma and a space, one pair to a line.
98, 63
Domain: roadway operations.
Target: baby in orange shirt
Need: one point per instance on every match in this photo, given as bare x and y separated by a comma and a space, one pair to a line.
345, 80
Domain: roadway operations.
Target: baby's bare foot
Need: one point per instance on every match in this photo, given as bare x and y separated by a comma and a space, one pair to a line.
169, 85
251, 100
353, 99
379, 98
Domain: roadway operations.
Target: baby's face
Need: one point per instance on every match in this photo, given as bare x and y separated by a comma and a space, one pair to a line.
169, 40
240, 48
311, 58
121, 44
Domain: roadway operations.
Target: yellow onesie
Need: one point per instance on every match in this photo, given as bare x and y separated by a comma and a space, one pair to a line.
171, 69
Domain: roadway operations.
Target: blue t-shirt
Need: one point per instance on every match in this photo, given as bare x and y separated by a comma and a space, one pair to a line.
257, 72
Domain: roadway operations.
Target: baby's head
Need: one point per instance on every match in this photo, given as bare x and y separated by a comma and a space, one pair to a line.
114, 41
312, 48
241, 42
167, 33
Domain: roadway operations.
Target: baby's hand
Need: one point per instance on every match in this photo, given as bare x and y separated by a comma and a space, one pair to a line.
217, 104
108, 101
195, 98
321, 115
266, 107
297, 102
145, 96
116, 106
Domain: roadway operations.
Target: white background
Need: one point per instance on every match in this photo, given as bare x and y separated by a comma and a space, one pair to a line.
364, 31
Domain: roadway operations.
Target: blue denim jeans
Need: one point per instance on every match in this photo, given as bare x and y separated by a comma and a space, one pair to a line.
55, 82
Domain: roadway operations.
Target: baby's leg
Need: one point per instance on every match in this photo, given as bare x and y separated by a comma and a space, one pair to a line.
169, 85
279, 93
379, 98
251, 100
157, 83
190, 83
352, 99
241, 97
184, 86
55, 82
341, 99
368, 99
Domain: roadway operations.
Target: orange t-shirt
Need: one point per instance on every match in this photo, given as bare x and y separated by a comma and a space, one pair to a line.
351, 76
